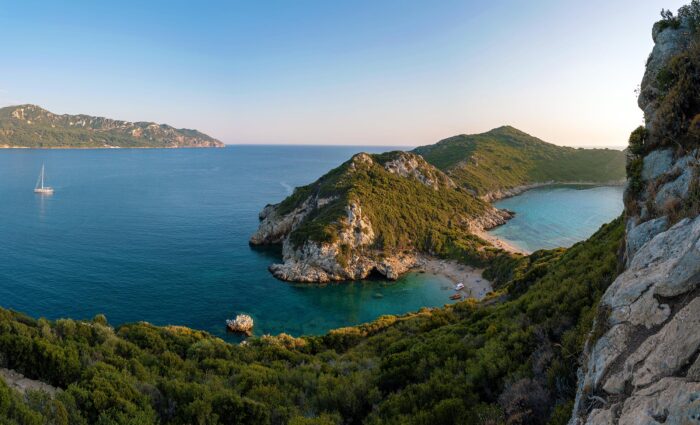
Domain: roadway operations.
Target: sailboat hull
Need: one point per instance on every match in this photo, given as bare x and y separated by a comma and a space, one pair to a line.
44, 190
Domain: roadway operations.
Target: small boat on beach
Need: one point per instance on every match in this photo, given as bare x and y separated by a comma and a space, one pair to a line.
459, 286
456, 296
40, 188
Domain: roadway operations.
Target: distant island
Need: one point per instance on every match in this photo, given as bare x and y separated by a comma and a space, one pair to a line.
30, 126
378, 214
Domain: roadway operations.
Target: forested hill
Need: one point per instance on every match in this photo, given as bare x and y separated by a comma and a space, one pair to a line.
506, 157
30, 126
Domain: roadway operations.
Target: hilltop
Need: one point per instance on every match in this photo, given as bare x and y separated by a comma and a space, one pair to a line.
30, 126
373, 214
377, 213
505, 160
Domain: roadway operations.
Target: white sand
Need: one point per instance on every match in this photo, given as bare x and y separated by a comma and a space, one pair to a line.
475, 286
499, 243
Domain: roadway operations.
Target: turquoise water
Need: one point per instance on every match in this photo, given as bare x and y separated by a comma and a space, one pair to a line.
558, 216
162, 236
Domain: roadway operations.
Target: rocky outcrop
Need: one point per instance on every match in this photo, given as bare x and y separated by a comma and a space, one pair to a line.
352, 252
641, 365
414, 166
241, 324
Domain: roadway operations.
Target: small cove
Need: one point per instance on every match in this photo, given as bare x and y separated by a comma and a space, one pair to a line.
558, 215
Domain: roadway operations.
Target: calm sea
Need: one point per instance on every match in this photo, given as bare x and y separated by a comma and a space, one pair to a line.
554, 216
162, 236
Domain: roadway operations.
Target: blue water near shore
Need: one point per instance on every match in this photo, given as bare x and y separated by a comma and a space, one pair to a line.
162, 236
558, 216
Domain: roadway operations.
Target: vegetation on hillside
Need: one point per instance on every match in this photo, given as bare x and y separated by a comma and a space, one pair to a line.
511, 360
33, 127
506, 157
405, 213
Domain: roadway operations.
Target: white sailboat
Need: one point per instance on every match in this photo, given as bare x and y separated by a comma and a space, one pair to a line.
40, 188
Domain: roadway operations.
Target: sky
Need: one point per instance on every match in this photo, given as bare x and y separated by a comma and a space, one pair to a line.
363, 72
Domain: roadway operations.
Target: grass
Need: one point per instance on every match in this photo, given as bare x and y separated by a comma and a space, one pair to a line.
506, 157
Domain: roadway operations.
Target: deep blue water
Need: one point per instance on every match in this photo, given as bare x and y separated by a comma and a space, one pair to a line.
162, 236
558, 216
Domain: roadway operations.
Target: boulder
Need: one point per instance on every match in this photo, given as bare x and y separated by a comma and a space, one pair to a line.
242, 324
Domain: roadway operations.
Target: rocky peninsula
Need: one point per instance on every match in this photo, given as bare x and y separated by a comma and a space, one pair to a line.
375, 214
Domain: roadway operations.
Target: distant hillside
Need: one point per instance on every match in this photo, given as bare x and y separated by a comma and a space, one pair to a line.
31, 126
505, 157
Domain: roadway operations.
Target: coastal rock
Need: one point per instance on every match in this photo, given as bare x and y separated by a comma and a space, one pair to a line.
669, 401
668, 43
657, 163
242, 324
644, 367
638, 235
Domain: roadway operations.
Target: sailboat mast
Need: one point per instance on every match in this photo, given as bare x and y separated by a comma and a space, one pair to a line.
42, 176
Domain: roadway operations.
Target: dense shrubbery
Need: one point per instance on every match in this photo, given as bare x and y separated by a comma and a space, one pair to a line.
513, 360
405, 213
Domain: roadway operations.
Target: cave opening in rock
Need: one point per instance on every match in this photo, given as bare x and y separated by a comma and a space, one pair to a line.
375, 274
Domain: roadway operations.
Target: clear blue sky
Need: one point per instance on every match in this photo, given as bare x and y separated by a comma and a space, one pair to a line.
337, 72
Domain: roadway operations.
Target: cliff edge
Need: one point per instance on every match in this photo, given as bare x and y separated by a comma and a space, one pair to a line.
641, 364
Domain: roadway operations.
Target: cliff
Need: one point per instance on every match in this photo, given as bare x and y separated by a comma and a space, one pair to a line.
373, 214
30, 126
641, 365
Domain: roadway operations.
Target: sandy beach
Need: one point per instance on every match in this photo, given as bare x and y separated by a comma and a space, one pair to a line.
475, 286
498, 243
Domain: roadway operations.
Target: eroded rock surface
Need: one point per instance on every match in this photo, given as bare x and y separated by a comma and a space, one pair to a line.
642, 365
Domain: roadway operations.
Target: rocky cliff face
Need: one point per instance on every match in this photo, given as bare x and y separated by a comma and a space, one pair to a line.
33, 126
352, 253
641, 365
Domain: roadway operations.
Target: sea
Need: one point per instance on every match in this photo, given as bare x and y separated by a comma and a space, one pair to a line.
161, 235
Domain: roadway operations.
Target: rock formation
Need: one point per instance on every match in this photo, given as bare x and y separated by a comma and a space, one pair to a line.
353, 250
641, 364
242, 324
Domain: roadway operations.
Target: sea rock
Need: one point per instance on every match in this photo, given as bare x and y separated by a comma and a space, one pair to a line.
242, 324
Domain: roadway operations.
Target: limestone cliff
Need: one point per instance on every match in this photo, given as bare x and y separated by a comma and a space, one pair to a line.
641, 364
373, 214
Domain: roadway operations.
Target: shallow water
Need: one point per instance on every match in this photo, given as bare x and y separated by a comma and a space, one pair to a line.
558, 216
162, 236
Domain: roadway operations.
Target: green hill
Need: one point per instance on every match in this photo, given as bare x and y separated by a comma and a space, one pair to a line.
30, 126
505, 157
372, 214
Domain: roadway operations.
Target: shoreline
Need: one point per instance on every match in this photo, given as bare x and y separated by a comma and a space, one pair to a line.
475, 285
500, 243
501, 194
